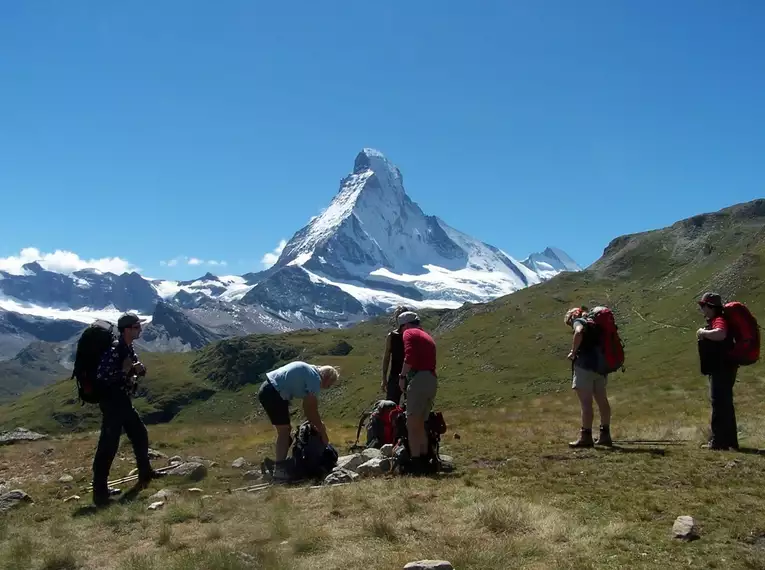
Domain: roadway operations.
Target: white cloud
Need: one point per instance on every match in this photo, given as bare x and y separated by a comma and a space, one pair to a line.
192, 261
63, 262
272, 256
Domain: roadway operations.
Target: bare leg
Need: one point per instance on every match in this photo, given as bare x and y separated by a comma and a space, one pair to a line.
585, 401
418, 441
601, 398
282, 441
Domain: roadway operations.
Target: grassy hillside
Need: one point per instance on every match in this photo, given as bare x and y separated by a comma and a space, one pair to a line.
491, 355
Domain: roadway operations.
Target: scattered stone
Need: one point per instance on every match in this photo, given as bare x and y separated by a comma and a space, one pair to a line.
13, 499
202, 460
213, 464
685, 528
194, 490
72, 498
191, 471
372, 453
341, 476
157, 505
732, 464
429, 565
456, 435
154, 454
239, 463
20, 434
387, 450
350, 461
373, 467
66, 479
162, 495
253, 475
175, 459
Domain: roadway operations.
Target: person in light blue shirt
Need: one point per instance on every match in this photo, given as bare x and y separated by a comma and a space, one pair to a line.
296, 380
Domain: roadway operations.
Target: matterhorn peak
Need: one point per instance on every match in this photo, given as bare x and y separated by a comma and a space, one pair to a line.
372, 159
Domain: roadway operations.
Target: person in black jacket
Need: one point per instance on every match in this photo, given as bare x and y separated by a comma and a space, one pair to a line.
393, 360
117, 377
714, 344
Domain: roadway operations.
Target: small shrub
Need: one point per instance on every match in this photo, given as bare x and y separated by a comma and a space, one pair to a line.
60, 561
165, 535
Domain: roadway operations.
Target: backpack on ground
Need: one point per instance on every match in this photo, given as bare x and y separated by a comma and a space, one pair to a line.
609, 343
311, 459
435, 427
380, 424
93, 343
745, 332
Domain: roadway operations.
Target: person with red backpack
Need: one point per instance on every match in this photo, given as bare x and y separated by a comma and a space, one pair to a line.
731, 338
596, 351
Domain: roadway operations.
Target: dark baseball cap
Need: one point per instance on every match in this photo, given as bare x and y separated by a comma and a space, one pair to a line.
128, 320
711, 299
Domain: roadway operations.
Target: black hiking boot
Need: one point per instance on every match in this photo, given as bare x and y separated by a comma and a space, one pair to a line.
585, 439
148, 476
604, 437
102, 495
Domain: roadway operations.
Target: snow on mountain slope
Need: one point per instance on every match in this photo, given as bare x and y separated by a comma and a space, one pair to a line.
376, 244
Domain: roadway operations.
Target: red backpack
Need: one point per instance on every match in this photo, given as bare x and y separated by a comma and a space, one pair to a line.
745, 332
381, 424
601, 319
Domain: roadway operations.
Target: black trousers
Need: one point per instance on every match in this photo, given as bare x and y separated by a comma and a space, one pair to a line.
723, 424
393, 391
118, 414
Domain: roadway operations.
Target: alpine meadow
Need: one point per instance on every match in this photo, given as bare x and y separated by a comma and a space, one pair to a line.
518, 497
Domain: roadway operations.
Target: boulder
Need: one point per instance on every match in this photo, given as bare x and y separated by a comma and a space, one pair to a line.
373, 467
372, 453
66, 479
429, 565
19, 434
13, 499
387, 450
350, 461
239, 463
685, 528
191, 471
341, 476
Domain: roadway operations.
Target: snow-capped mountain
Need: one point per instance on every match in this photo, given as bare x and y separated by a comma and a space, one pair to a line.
373, 248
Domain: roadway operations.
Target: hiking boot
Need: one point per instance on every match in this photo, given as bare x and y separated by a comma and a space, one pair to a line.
585, 439
604, 437
145, 478
102, 495
281, 472
714, 446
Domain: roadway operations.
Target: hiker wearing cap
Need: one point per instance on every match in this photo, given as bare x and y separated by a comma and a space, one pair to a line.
294, 380
393, 361
419, 381
714, 344
117, 377
587, 382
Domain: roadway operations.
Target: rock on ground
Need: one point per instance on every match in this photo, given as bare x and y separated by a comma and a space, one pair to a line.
253, 475
340, 476
429, 565
66, 479
350, 461
239, 463
162, 495
190, 471
372, 453
175, 459
13, 499
387, 450
154, 454
685, 528
156, 505
378, 466
20, 434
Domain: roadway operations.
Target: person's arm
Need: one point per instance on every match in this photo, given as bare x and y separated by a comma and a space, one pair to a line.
138, 366
577, 340
717, 334
311, 410
407, 366
386, 363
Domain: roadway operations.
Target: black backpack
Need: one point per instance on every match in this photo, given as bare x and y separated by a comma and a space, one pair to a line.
93, 343
311, 459
435, 427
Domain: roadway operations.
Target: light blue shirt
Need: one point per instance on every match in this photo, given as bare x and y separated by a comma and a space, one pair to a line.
295, 380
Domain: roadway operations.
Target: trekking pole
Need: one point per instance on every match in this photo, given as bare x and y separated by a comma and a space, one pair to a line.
129, 478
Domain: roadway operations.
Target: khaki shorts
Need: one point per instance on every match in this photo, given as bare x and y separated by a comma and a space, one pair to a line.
588, 380
421, 394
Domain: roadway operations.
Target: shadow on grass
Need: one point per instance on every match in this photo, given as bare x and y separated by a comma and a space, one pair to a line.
749, 451
647, 450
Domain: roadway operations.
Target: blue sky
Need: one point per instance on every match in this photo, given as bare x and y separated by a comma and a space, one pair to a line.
192, 130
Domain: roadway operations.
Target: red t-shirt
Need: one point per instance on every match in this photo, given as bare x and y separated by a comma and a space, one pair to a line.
419, 350
718, 323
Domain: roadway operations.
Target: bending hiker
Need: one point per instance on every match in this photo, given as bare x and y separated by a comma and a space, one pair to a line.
587, 382
117, 379
419, 381
393, 361
294, 380
714, 345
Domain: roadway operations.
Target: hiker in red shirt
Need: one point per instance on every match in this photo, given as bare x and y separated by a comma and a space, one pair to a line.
714, 346
420, 370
